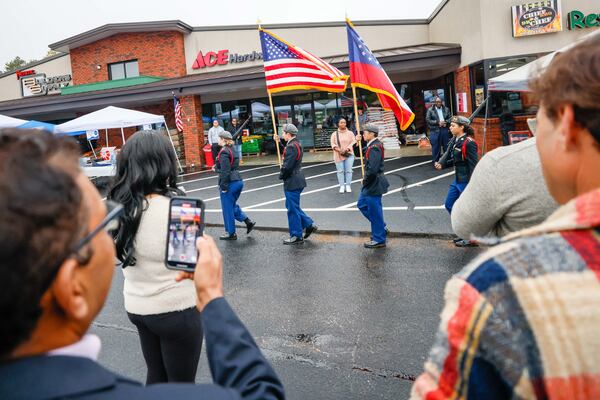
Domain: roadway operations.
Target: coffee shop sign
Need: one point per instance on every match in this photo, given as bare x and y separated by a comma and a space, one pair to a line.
40, 85
223, 57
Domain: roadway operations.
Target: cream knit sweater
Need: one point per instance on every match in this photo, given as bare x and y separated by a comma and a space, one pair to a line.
150, 287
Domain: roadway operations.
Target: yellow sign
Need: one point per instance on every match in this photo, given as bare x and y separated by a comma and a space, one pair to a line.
537, 18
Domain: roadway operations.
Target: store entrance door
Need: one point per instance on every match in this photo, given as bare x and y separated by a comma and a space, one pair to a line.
303, 119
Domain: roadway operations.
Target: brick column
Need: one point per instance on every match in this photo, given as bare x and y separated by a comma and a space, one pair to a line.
462, 84
193, 131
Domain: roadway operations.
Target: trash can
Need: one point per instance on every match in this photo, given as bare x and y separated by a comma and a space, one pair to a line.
208, 155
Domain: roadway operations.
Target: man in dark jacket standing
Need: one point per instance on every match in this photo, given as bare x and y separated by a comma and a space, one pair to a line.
438, 119
375, 185
293, 184
234, 126
56, 267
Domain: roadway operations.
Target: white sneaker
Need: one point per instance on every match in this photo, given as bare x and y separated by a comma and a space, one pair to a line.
342, 189
348, 189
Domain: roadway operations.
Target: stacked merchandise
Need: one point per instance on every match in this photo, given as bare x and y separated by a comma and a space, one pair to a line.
177, 138
323, 138
388, 129
252, 144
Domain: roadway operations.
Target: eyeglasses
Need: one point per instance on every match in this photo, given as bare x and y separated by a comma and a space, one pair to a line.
110, 223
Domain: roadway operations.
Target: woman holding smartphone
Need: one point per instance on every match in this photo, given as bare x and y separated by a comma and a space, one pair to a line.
342, 143
163, 310
230, 187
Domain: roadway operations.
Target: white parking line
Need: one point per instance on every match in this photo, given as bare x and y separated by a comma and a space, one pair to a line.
404, 208
277, 184
332, 186
216, 176
405, 187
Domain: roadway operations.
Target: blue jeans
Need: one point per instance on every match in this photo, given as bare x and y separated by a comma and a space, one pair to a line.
372, 209
297, 219
238, 150
453, 194
231, 211
439, 142
344, 170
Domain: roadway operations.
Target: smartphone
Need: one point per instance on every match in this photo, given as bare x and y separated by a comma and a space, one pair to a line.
186, 224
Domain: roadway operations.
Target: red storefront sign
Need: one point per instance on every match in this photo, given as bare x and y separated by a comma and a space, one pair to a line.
211, 59
25, 73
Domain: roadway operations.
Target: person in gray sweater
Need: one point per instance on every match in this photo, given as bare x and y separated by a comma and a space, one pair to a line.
506, 193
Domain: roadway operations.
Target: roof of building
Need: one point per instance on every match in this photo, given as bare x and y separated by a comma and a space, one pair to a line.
112, 84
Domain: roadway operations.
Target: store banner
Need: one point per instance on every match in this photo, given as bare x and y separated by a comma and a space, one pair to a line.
92, 134
536, 18
461, 101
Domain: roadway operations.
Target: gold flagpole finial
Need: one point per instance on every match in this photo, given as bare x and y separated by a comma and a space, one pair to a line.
258, 22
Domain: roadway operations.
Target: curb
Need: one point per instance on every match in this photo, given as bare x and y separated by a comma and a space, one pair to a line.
395, 235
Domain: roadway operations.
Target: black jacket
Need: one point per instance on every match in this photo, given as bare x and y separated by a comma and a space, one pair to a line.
238, 368
375, 183
227, 166
464, 165
433, 119
291, 170
233, 129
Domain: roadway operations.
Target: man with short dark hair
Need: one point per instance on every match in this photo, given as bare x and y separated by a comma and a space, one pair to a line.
438, 120
522, 320
56, 266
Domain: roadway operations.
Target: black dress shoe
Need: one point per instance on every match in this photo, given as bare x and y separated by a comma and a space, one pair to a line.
249, 225
310, 230
374, 245
293, 240
228, 236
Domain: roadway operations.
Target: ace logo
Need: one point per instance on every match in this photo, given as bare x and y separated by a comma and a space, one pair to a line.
211, 59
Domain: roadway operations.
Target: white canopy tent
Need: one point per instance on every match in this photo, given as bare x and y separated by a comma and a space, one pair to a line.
517, 80
10, 122
114, 117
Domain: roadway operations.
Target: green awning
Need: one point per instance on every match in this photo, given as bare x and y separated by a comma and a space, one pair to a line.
117, 83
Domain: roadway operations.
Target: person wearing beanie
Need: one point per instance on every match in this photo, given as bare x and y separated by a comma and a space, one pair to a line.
293, 184
374, 186
230, 187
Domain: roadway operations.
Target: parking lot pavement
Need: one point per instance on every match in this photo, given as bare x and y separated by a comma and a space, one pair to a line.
413, 204
336, 320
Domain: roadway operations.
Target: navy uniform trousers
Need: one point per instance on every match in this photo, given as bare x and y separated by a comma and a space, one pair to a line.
372, 209
231, 211
297, 219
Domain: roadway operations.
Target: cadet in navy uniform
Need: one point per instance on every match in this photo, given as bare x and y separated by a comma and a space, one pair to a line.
293, 184
462, 153
230, 187
374, 186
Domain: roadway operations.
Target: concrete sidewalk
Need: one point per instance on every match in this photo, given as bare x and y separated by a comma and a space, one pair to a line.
323, 156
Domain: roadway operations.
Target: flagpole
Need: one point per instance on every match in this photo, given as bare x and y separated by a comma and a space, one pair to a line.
357, 122
274, 127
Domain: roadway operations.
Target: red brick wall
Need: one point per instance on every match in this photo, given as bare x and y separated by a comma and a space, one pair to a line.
462, 84
493, 136
159, 54
193, 131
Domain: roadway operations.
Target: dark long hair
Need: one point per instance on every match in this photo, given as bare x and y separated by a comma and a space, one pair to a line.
146, 165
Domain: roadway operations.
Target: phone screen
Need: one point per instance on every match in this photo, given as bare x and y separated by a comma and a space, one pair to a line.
185, 225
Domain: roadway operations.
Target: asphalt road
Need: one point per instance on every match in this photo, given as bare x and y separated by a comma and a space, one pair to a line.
412, 205
336, 320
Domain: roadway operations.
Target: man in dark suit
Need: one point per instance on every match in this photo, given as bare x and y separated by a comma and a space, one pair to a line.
56, 266
293, 184
438, 121
375, 185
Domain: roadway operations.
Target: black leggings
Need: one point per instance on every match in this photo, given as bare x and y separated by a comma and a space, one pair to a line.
171, 344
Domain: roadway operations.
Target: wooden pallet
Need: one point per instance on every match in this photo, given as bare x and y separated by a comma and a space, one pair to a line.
320, 150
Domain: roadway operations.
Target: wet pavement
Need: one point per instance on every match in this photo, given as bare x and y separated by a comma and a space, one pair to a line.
336, 320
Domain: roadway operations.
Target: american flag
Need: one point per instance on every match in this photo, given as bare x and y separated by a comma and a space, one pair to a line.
178, 120
288, 67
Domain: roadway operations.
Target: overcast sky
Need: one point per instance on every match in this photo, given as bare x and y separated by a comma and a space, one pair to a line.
29, 26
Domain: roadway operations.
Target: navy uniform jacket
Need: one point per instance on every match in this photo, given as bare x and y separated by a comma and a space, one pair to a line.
228, 165
462, 153
375, 183
291, 170
237, 366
